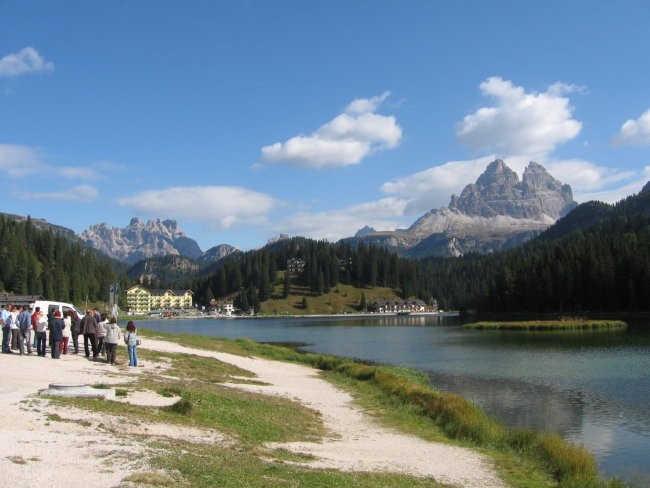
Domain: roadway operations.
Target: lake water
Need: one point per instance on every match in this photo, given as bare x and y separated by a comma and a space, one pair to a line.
590, 387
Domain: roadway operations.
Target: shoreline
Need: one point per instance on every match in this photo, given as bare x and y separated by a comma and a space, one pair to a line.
34, 432
295, 316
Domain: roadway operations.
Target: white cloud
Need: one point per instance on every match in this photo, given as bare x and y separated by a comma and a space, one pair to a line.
384, 214
81, 193
76, 172
520, 123
366, 105
26, 61
21, 161
433, 187
611, 195
221, 207
18, 161
635, 132
345, 140
585, 176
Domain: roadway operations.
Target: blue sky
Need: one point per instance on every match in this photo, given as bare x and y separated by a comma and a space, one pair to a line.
246, 119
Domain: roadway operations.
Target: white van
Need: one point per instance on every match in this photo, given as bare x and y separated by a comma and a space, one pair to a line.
50, 306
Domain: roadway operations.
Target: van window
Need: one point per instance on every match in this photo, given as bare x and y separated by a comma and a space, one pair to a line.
66, 310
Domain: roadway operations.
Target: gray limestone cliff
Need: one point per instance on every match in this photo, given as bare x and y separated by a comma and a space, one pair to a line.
139, 241
496, 212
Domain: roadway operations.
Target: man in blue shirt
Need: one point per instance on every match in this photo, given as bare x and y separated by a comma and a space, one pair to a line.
5, 321
25, 330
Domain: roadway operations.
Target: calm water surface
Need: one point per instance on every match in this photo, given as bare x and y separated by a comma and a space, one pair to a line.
590, 387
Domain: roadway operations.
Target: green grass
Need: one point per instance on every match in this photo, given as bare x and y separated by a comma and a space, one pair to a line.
550, 325
340, 299
397, 397
210, 466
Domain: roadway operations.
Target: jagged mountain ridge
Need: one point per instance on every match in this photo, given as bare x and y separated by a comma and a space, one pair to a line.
496, 212
155, 238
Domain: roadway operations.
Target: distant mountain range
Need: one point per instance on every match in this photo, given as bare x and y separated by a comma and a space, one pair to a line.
155, 238
496, 212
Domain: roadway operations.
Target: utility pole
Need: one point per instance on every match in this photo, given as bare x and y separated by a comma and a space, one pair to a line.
114, 297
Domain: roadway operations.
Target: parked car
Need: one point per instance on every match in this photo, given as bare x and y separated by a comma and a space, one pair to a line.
51, 306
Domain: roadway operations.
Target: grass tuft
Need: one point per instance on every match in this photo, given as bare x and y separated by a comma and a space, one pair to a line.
153, 479
181, 407
565, 323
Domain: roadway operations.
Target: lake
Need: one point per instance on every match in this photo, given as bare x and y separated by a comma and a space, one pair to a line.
590, 387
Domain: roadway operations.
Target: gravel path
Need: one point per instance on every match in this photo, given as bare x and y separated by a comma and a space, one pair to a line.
84, 450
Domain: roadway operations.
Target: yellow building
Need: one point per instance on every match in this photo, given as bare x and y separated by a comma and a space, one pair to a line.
139, 300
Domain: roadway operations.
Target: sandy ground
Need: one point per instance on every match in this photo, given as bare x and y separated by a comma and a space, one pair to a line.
89, 451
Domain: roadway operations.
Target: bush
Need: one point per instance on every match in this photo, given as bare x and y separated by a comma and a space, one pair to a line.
182, 407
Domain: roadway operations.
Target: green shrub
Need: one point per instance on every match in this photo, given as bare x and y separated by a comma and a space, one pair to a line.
182, 407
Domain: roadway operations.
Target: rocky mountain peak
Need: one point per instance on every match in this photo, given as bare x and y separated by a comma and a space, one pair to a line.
141, 240
498, 191
497, 174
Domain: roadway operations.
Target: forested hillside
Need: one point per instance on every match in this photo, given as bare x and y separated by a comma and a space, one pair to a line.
43, 262
254, 272
595, 259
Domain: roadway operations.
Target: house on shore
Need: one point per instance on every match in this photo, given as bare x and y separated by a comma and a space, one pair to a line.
398, 306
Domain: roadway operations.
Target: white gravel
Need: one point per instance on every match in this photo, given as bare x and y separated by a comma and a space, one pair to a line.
84, 450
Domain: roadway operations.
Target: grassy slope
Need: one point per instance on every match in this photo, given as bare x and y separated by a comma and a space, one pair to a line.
341, 299
394, 396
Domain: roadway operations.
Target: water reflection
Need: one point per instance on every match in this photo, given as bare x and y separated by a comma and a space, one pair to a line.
517, 403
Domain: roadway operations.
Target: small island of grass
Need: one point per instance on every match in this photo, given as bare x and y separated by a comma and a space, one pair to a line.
565, 324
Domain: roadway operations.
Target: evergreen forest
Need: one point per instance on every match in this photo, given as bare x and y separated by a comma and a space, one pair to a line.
44, 262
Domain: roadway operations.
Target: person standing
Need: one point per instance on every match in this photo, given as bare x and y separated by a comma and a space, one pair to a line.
56, 334
88, 328
101, 333
131, 340
74, 329
67, 324
14, 328
35, 322
111, 340
41, 333
25, 330
5, 320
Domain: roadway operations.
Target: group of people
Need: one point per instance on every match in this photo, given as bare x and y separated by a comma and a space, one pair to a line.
100, 334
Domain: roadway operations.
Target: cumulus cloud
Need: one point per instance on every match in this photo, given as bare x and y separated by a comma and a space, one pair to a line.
345, 140
519, 122
585, 176
384, 214
81, 193
433, 187
635, 132
221, 207
26, 61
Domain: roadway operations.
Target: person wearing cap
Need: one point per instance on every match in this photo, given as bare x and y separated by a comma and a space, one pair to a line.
56, 334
